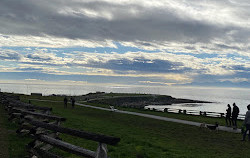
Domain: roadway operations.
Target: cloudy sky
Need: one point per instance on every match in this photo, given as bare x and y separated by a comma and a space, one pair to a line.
126, 42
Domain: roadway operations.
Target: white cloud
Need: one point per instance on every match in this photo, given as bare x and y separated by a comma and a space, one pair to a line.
50, 42
235, 80
158, 83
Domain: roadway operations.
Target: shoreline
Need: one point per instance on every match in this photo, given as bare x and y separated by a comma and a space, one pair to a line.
135, 100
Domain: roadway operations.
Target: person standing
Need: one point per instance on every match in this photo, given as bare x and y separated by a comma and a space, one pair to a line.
72, 102
247, 124
65, 102
235, 114
228, 115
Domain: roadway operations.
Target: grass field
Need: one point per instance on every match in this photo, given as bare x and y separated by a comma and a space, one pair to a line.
142, 137
12, 143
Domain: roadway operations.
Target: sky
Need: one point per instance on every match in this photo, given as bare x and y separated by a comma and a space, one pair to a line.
126, 42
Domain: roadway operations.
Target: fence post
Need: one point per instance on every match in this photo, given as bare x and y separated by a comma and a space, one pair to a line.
205, 113
184, 111
180, 111
102, 151
166, 110
200, 113
221, 114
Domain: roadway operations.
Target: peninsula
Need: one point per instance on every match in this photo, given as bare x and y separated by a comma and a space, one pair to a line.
134, 100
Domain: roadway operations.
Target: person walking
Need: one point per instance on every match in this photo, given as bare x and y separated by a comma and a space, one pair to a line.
247, 124
65, 102
235, 114
72, 102
228, 115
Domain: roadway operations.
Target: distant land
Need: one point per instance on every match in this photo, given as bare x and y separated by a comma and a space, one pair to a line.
133, 100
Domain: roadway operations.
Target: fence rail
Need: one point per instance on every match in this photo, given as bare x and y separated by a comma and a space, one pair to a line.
194, 112
44, 128
82, 134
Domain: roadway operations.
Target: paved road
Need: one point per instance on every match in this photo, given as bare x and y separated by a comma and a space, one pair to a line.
222, 128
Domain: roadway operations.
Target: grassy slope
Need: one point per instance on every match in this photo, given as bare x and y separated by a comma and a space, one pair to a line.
16, 143
148, 137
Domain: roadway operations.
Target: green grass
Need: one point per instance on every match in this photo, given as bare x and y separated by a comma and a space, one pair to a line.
195, 118
16, 143
148, 137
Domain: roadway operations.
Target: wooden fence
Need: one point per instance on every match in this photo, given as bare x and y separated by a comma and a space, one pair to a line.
194, 112
45, 128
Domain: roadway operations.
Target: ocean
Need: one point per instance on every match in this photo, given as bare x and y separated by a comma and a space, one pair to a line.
219, 96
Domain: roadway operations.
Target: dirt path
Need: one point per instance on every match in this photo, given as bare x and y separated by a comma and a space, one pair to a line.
3, 136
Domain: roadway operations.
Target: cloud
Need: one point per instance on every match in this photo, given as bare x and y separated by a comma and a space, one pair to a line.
140, 65
180, 21
192, 37
16, 40
157, 83
42, 57
131, 63
9, 55
39, 57
235, 80
70, 82
29, 69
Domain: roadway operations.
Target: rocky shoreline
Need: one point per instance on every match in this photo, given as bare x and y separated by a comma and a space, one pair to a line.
138, 101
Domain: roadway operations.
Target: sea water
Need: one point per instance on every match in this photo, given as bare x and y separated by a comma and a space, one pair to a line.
219, 96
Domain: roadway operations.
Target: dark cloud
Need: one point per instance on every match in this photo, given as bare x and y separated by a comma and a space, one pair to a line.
9, 55
29, 69
241, 67
41, 63
223, 46
40, 18
88, 78
238, 68
140, 65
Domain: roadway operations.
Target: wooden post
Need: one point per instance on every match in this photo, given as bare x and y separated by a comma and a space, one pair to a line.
102, 151
205, 113
184, 111
67, 146
179, 111
200, 113
82, 134
166, 110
